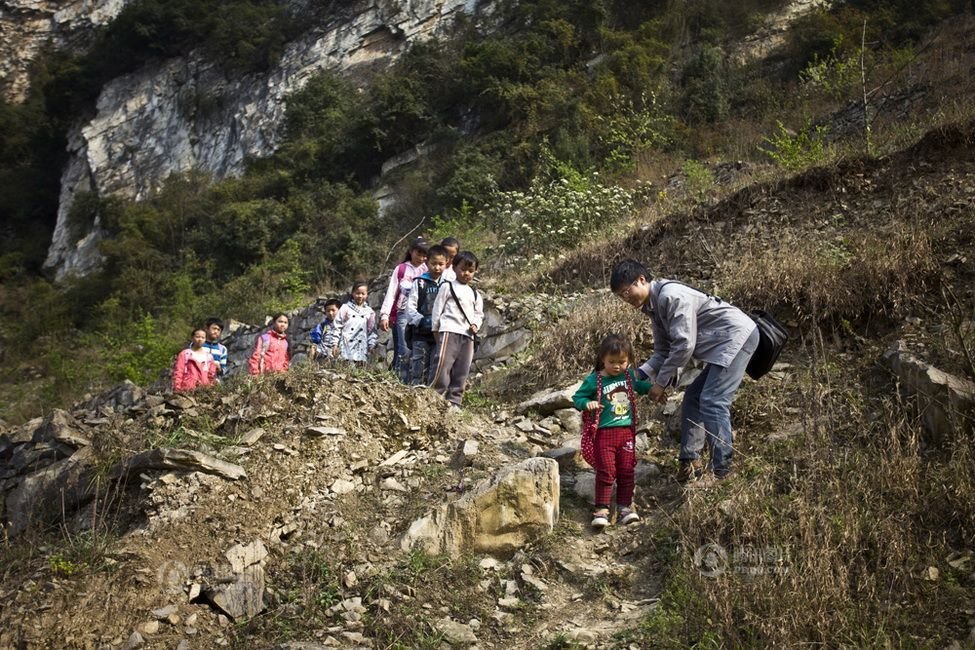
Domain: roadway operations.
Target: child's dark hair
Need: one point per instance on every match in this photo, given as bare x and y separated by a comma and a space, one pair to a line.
418, 244
438, 251
214, 321
450, 241
356, 285
625, 273
464, 258
195, 330
331, 302
613, 344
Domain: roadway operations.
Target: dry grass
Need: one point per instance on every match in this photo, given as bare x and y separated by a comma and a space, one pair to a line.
564, 350
830, 536
865, 271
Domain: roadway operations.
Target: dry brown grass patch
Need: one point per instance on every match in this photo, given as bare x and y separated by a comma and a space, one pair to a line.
564, 350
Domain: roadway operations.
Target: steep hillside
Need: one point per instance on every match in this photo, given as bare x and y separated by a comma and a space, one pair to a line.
849, 520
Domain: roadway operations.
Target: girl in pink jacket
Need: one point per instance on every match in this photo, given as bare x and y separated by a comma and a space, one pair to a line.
194, 366
271, 351
397, 293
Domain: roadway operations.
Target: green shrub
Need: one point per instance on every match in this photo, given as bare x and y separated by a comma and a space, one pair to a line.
555, 214
705, 94
140, 351
698, 178
630, 129
796, 151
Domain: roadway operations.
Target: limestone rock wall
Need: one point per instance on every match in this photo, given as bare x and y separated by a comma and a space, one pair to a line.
28, 26
187, 113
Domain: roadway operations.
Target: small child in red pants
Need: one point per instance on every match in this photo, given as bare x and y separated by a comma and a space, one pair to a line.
608, 444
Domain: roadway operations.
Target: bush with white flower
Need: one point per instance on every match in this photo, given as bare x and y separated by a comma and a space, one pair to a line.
554, 215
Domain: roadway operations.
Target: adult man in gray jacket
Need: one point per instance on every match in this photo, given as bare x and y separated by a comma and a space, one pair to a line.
688, 324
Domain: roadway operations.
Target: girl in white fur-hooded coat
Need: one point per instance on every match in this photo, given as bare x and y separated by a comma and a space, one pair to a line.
353, 333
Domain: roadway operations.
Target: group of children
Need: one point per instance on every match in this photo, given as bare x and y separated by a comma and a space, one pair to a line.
430, 306
431, 309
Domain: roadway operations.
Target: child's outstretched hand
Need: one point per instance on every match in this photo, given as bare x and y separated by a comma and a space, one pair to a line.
592, 406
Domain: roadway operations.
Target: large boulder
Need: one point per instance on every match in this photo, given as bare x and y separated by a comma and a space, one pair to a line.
46, 493
518, 505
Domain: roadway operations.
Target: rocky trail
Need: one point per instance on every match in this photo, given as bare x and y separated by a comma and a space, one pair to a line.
297, 512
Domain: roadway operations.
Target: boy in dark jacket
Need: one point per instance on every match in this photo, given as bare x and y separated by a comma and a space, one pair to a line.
418, 309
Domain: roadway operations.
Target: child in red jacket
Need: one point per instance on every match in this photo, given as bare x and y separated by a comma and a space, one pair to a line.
271, 351
194, 366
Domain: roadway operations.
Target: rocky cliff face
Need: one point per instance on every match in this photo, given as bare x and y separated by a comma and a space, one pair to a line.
187, 113
30, 25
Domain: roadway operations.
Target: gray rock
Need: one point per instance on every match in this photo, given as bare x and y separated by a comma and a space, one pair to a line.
568, 459
946, 403
60, 427
252, 436
135, 640
179, 459
457, 634
180, 401
324, 431
241, 594
585, 486
43, 495
547, 402
646, 472
342, 486
571, 420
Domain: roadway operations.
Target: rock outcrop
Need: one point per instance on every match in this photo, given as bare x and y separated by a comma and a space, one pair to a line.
28, 26
518, 505
187, 113
946, 403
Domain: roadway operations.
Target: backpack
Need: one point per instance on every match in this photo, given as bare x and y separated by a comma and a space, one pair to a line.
772, 338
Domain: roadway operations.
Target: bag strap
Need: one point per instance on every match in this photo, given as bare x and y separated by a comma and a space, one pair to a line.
460, 306
684, 284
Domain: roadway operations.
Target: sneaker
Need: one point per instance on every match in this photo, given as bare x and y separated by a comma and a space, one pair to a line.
690, 470
600, 519
627, 516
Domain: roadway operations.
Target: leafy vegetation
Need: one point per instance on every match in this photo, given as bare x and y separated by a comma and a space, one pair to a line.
536, 135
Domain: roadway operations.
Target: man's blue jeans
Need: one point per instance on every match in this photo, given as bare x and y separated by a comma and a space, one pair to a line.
706, 415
